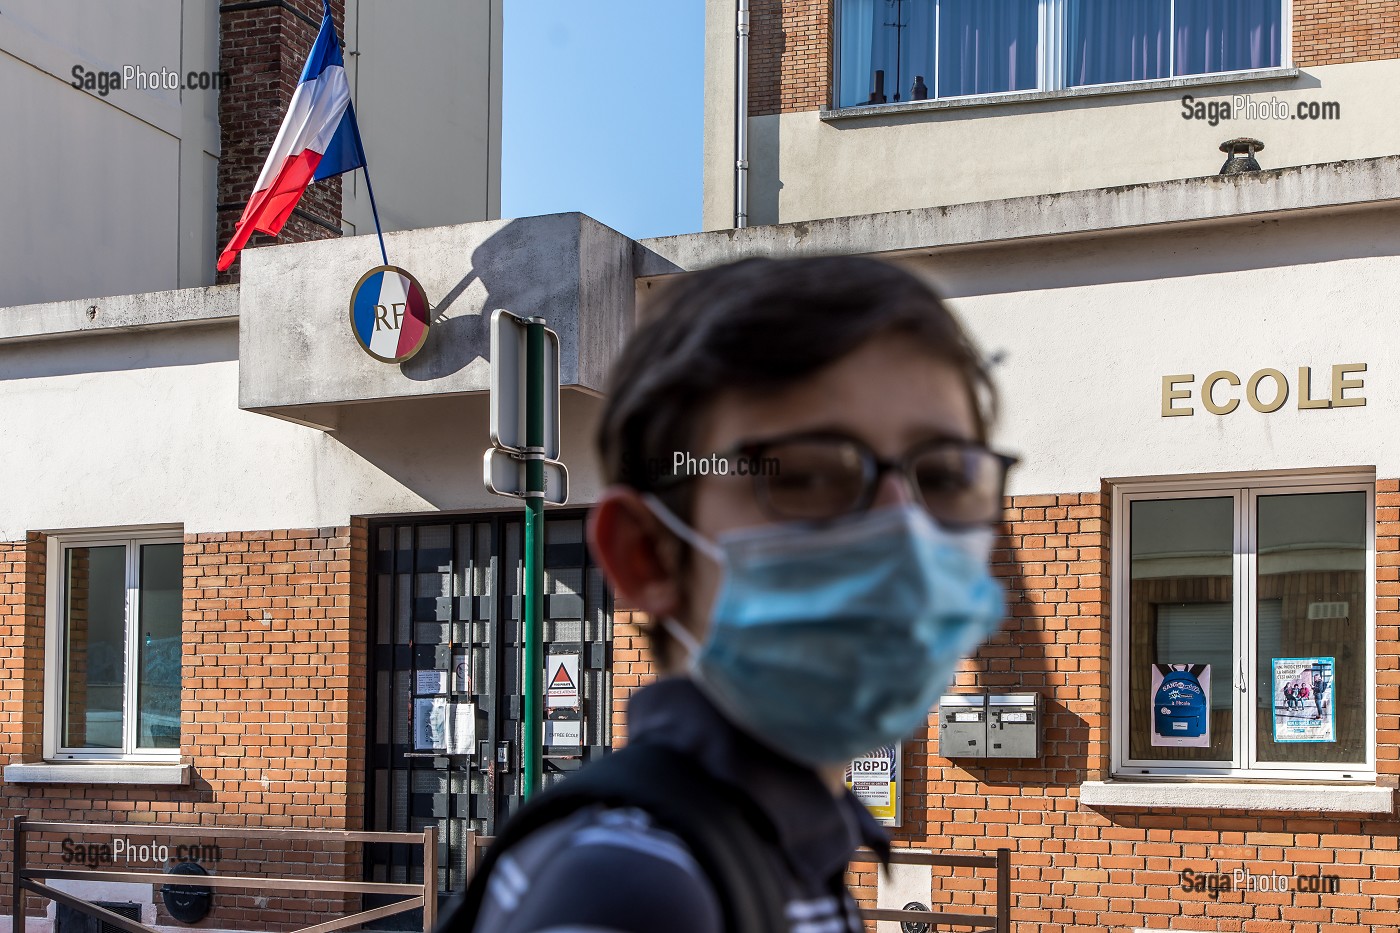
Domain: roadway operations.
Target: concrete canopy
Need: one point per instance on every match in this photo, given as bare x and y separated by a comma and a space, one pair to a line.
298, 359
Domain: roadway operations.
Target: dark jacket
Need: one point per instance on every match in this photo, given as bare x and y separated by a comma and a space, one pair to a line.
614, 870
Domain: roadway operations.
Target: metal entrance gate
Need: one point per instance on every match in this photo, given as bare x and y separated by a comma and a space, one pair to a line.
444, 629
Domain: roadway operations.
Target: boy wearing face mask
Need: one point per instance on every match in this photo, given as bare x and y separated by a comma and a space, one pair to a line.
807, 605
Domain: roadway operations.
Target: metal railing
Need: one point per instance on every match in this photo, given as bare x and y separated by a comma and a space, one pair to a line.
31, 879
999, 922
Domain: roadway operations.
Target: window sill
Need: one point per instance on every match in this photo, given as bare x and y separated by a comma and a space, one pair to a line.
153, 774
1069, 93
1219, 795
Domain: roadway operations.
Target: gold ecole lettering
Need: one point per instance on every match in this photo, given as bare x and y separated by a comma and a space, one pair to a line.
1267, 390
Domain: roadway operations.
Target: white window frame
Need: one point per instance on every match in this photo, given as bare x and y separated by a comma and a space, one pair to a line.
1052, 63
1244, 489
55, 661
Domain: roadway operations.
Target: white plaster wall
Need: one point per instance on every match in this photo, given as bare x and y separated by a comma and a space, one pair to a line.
105, 195
1087, 330
141, 428
899, 885
717, 203
145, 428
804, 168
427, 89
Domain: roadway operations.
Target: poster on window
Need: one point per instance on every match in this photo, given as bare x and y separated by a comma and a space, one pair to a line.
1181, 705
1303, 689
874, 780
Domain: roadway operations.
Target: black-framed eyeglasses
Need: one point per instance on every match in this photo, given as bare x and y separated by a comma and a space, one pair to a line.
825, 475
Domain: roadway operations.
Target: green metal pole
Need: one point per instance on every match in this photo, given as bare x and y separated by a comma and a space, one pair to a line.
534, 553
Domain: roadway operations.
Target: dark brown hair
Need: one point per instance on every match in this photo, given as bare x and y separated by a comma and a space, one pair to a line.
755, 325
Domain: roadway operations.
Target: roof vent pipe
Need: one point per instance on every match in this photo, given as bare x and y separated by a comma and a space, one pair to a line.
1240, 154
741, 117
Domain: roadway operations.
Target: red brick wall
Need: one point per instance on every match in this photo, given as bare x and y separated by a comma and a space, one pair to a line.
262, 51
632, 664
1082, 869
1330, 32
789, 55
273, 713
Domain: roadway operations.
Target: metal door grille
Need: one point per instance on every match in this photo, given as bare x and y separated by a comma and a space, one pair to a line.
446, 593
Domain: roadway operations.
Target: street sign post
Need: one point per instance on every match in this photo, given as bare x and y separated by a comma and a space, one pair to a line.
522, 463
504, 474
509, 339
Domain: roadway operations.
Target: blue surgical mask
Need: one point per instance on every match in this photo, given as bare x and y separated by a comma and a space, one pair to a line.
827, 641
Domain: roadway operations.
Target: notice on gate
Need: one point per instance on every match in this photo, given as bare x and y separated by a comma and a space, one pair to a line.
461, 729
561, 682
429, 723
567, 732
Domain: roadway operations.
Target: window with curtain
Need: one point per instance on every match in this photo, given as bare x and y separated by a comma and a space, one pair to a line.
900, 50
1110, 41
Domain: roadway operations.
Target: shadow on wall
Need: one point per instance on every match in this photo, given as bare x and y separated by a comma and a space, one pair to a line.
508, 263
1033, 653
119, 352
765, 181
1151, 256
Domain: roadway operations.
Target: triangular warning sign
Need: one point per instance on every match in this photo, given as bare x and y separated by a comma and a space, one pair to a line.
561, 679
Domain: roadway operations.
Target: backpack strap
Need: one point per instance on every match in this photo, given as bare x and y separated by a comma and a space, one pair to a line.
730, 838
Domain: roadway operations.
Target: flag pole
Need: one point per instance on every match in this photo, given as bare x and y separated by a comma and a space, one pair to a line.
374, 209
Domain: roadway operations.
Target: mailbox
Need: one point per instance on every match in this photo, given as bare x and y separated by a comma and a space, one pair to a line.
1013, 725
962, 725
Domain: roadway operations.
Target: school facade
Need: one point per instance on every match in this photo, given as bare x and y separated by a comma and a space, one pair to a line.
246, 566
223, 476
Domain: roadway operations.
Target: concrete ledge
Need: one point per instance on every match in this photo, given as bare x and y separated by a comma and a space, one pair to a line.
1327, 186
1184, 82
121, 312
1211, 795
98, 773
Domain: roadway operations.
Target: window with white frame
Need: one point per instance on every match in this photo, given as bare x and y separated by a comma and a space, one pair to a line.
1243, 627
902, 50
114, 645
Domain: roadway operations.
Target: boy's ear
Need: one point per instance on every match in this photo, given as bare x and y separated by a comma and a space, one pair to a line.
640, 557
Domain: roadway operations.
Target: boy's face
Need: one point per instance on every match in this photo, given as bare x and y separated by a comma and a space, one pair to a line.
889, 393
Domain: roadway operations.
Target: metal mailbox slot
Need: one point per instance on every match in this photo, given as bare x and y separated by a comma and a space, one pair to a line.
962, 725
1013, 725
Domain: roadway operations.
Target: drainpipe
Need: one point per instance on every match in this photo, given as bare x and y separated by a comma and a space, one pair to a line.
741, 118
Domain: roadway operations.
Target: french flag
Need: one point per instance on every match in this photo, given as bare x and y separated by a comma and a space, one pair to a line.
318, 139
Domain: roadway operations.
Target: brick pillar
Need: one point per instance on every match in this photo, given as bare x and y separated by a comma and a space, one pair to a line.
73, 728
262, 49
22, 567
632, 664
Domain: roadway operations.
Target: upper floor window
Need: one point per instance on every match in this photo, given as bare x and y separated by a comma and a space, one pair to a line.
1244, 635
115, 646
901, 50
